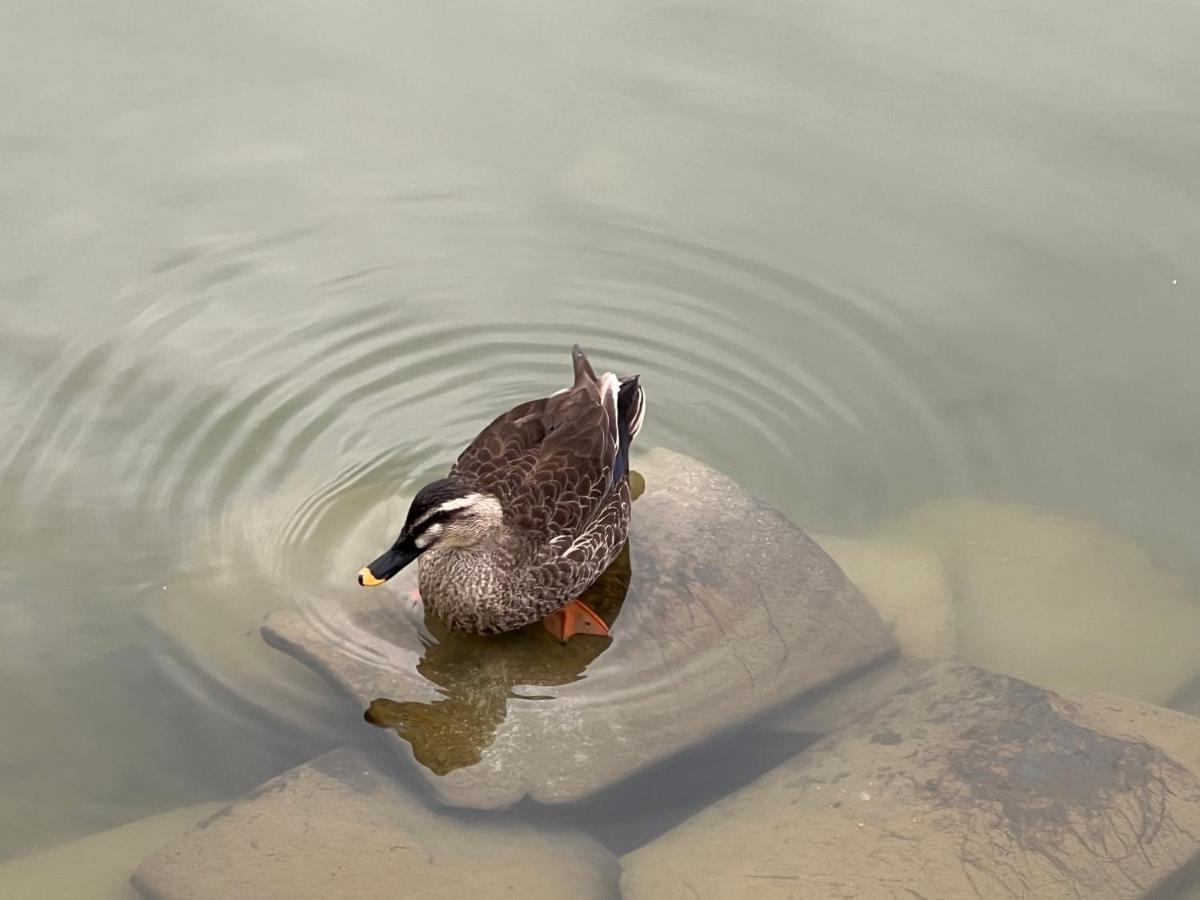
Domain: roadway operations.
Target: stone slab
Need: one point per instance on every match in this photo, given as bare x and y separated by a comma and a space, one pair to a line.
1060, 602
721, 611
212, 643
59, 786
1187, 698
908, 587
1176, 733
841, 704
964, 784
339, 827
97, 867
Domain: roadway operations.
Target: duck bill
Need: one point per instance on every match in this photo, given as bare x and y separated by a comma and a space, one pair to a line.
387, 565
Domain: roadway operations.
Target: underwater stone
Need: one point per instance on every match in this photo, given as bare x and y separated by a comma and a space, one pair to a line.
1188, 699
59, 786
1175, 733
907, 586
841, 704
964, 784
97, 867
338, 827
1060, 602
730, 611
216, 641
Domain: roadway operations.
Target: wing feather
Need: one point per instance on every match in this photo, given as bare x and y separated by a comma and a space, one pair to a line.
549, 462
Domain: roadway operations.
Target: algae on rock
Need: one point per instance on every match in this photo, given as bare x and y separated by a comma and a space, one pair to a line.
964, 784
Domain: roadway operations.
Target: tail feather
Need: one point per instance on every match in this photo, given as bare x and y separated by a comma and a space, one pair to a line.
630, 404
633, 396
631, 410
583, 368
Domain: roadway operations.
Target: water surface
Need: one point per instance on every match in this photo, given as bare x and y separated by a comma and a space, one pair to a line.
263, 266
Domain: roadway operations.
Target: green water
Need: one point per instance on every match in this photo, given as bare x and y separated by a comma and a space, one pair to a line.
260, 263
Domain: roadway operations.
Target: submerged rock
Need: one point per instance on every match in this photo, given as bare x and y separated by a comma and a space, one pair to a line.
476, 675
728, 611
908, 587
1060, 602
1176, 733
97, 867
108, 749
964, 784
1187, 698
337, 827
844, 702
223, 658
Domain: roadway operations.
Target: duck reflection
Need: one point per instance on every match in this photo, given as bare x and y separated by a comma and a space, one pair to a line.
476, 675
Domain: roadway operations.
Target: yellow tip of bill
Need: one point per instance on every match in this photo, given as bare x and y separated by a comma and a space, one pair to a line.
366, 579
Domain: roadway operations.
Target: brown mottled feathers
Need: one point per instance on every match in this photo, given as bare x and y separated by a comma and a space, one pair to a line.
549, 462
558, 468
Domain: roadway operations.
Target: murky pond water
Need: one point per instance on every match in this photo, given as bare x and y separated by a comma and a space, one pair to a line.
265, 269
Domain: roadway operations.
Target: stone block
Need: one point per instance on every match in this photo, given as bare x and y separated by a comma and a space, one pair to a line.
964, 784
721, 611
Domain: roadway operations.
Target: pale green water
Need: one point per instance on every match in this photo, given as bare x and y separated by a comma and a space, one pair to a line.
260, 262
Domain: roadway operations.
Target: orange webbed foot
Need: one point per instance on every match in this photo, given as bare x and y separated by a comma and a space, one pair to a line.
574, 618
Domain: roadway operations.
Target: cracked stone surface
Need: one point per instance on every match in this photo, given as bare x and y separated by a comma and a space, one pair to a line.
964, 784
339, 827
729, 611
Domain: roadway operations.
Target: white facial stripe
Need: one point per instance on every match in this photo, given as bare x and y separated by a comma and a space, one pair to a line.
460, 503
450, 505
480, 503
486, 506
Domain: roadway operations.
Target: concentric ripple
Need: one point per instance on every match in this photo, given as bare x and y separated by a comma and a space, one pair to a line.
272, 414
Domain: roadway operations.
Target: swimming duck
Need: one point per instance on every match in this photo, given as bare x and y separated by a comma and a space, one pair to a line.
531, 514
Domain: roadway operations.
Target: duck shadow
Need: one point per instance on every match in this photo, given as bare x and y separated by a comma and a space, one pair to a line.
476, 676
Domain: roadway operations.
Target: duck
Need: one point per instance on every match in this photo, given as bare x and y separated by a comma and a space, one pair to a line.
531, 514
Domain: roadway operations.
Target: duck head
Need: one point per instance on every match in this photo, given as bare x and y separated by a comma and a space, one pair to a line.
444, 515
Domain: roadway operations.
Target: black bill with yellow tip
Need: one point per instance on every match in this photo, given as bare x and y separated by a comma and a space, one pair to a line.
388, 564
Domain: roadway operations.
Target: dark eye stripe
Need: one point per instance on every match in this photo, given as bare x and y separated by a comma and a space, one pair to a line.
441, 517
